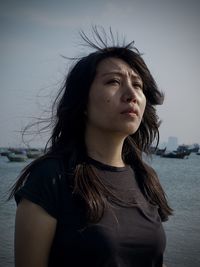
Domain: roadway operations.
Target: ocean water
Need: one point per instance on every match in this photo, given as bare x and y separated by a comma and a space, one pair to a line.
181, 181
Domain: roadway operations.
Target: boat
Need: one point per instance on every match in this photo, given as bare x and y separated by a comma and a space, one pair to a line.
160, 151
189, 149
17, 157
157, 151
5, 153
175, 154
195, 148
34, 153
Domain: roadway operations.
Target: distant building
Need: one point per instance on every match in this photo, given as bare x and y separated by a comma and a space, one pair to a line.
172, 143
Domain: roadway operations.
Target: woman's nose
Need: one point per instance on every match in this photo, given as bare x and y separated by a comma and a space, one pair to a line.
130, 99
129, 94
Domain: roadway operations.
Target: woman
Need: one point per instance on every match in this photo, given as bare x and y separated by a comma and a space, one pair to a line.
91, 200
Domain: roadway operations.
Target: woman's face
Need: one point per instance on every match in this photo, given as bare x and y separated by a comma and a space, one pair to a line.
116, 100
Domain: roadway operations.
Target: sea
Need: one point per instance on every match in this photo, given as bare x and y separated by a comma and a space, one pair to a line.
180, 179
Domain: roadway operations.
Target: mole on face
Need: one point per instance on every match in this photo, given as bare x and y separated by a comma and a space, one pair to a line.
108, 100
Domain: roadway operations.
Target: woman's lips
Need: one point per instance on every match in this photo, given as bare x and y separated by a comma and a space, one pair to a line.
130, 111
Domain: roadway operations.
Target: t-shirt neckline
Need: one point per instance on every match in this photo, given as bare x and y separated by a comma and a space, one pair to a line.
106, 167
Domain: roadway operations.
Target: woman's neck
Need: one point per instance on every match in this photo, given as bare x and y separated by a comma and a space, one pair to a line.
105, 147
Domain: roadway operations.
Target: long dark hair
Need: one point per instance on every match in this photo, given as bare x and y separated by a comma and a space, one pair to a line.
67, 139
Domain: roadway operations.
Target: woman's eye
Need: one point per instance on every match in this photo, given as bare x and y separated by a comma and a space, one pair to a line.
113, 81
137, 85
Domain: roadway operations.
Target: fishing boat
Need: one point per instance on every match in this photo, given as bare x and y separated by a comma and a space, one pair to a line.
189, 149
5, 153
175, 154
160, 151
34, 153
17, 157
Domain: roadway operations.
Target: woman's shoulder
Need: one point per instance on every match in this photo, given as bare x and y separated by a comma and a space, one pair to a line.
45, 181
45, 170
52, 164
47, 164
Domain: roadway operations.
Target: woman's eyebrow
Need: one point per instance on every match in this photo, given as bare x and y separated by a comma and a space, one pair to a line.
120, 73
113, 72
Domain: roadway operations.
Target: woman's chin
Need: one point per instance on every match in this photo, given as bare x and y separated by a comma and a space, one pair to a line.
129, 130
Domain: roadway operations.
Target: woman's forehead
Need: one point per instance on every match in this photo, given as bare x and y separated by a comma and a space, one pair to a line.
116, 66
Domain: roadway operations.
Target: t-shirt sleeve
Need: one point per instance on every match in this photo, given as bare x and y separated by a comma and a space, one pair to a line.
42, 186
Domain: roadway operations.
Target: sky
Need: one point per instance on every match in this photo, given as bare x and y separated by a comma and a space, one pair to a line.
34, 35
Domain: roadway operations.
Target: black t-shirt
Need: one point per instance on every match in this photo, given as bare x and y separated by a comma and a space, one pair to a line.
124, 237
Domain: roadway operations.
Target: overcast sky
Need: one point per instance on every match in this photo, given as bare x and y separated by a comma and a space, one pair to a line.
34, 35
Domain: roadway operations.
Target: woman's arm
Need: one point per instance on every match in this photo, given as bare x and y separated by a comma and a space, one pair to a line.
34, 232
